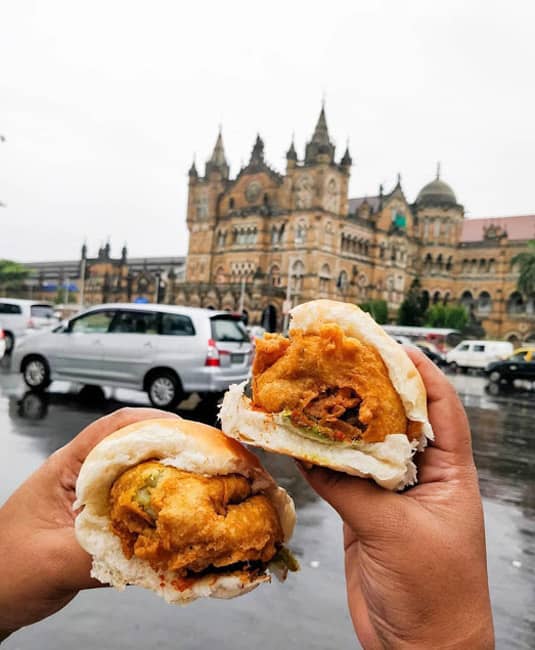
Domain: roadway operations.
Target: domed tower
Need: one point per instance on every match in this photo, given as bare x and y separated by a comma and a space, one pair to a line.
439, 217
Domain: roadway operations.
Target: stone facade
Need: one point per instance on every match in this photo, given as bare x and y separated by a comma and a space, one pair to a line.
252, 234
107, 278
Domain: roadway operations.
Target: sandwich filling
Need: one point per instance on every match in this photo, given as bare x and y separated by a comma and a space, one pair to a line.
193, 524
331, 387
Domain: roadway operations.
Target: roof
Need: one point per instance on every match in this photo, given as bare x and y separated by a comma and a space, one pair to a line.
437, 191
354, 204
150, 306
517, 228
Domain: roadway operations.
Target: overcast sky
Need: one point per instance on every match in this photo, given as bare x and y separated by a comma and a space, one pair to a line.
104, 103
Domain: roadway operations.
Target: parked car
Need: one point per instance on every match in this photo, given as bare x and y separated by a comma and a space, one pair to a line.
477, 354
2, 343
520, 365
19, 317
435, 356
167, 351
255, 332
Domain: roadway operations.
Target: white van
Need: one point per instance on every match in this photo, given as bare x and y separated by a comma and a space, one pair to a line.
478, 354
20, 317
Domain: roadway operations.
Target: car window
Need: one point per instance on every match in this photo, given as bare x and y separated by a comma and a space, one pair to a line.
229, 329
7, 308
135, 322
95, 323
478, 347
42, 311
464, 347
177, 325
515, 358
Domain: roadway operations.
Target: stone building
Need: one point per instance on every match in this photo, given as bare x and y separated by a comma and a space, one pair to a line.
106, 278
263, 239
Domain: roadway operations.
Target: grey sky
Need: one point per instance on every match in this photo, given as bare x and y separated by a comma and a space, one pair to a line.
103, 105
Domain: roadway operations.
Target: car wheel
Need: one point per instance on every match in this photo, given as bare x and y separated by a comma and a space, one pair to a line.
495, 376
453, 367
164, 391
36, 373
10, 342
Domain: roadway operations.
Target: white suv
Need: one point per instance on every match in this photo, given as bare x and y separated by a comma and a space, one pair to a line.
170, 352
19, 317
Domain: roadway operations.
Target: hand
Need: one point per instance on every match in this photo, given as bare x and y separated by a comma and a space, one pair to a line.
42, 566
416, 562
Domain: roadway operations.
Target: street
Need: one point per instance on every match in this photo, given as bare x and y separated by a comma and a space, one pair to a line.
309, 610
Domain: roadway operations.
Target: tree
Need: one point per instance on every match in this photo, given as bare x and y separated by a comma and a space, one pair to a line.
378, 310
12, 274
526, 262
451, 316
412, 309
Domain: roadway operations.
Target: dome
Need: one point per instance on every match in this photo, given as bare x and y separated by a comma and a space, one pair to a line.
437, 191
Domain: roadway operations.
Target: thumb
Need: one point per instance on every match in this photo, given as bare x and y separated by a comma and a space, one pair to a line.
369, 510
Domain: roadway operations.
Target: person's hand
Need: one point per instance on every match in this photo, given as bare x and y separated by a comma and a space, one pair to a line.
42, 566
416, 562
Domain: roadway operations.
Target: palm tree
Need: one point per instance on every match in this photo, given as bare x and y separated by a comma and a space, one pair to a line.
526, 261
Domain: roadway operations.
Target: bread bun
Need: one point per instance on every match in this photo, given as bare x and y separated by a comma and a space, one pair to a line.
186, 445
389, 462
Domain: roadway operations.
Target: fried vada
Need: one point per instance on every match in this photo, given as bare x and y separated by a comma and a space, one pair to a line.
177, 507
338, 392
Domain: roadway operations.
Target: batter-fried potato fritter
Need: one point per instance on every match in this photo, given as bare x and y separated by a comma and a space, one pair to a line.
186, 522
329, 381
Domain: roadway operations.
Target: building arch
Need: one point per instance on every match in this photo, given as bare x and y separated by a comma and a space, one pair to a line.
515, 303
428, 263
484, 303
343, 281
325, 278
275, 275
514, 337
467, 300
491, 267
449, 263
220, 275
436, 297
297, 274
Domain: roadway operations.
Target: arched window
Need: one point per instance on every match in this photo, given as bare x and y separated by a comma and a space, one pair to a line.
274, 235
467, 300
440, 262
428, 263
298, 271
515, 304
275, 275
382, 251
466, 266
436, 297
436, 228
220, 277
342, 282
266, 199
482, 265
426, 228
325, 278
473, 266
366, 247
231, 204
446, 298
492, 266
300, 233
449, 263
484, 303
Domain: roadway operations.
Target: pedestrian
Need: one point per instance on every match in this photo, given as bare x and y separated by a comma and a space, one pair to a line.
415, 562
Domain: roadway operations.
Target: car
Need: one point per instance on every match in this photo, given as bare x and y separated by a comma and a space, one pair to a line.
2, 343
255, 332
435, 356
20, 317
520, 365
477, 354
168, 351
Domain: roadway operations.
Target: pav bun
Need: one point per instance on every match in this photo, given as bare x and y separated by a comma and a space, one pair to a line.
185, 445
388, 462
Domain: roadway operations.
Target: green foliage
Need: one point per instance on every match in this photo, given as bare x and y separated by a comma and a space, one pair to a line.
412, 309
12, 273
451, 316
526, 262
378, 309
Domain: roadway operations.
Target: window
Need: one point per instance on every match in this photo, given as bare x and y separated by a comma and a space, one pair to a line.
7, 308
300, 233
177, 325
464, 347
479, 348
135, 322
42, 311
228, 329
95, 323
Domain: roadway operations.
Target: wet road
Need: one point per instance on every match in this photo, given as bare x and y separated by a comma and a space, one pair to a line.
309, 610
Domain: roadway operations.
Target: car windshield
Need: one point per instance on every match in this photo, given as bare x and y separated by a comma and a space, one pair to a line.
228, 328
42, 311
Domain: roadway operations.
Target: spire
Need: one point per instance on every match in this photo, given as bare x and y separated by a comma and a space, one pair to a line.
438, 170
192, 173
218, 162
257, 154
291, 154
346, 161
320, 142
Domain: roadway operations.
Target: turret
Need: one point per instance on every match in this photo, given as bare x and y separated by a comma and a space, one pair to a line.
320, 149
218, 162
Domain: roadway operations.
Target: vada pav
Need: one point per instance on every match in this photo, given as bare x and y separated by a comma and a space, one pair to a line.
177, 507
339, 392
